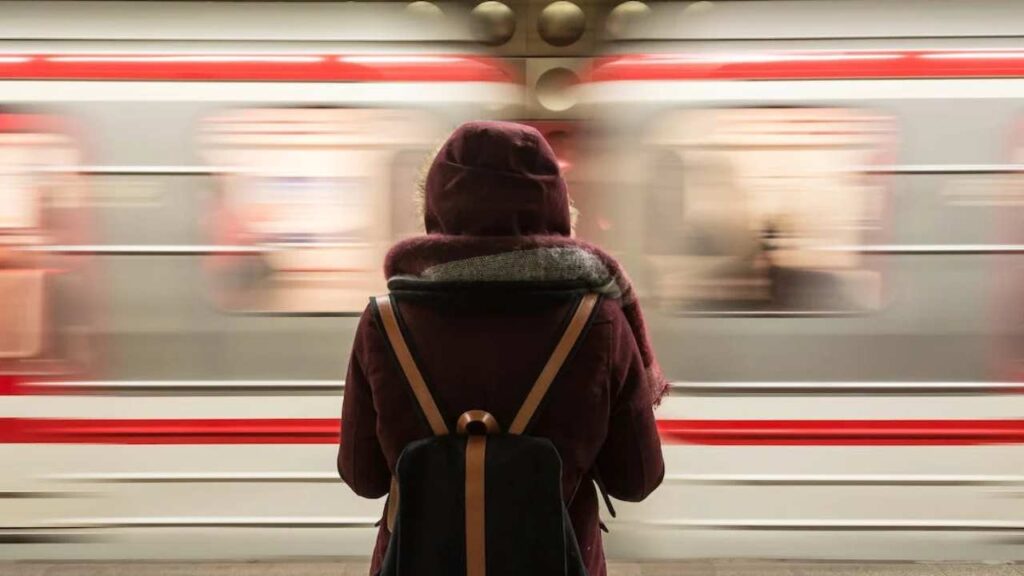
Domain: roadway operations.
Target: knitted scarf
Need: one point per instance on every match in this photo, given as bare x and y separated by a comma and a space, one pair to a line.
471, 259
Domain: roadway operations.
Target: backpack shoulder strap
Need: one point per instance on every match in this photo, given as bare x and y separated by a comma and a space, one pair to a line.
580, 319
386, 310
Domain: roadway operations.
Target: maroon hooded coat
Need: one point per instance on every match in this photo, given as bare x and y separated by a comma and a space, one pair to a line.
480, 345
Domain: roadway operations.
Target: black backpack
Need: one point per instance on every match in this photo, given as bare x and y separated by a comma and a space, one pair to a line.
481, 501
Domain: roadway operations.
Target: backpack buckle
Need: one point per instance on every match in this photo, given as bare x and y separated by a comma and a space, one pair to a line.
477, 422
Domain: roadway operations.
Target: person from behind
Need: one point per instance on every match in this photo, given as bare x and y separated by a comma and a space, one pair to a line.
509, 363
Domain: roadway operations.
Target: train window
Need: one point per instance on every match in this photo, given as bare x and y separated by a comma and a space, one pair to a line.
27, 160
21, 284
312, 192
39, 205
19, 205
762, 208
21, 313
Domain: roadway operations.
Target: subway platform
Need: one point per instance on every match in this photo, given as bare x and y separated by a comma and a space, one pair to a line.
358, 568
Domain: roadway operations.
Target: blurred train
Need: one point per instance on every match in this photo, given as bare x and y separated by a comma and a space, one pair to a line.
819, 201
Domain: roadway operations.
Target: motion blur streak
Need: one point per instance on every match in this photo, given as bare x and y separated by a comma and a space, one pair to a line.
810, 65
710, 432
263, 67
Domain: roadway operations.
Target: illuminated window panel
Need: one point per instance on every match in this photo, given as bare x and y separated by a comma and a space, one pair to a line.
763, 208
318, 189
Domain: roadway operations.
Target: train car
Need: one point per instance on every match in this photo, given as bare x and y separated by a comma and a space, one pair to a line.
242, 169
822, 201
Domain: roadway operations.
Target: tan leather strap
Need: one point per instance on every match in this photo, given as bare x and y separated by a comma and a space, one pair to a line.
554, 364
476, 529
476, 467
392, 511
419, 390
412, 372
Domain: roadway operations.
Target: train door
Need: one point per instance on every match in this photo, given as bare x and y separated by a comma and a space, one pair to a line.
1009, 271
308, 196
761, 208
43, 297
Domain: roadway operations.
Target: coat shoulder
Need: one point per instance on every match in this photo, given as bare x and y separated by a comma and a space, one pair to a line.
609, 311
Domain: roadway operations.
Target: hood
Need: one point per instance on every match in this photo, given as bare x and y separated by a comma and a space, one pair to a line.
496, 179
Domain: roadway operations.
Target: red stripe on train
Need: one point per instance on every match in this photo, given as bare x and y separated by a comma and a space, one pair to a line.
816, 65
843, 432
241, 67
169, 431
710, 432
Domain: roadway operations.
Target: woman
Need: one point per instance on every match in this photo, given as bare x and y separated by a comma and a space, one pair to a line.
483, 296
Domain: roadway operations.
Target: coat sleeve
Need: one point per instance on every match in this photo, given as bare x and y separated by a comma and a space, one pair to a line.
630, 461
361, 460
